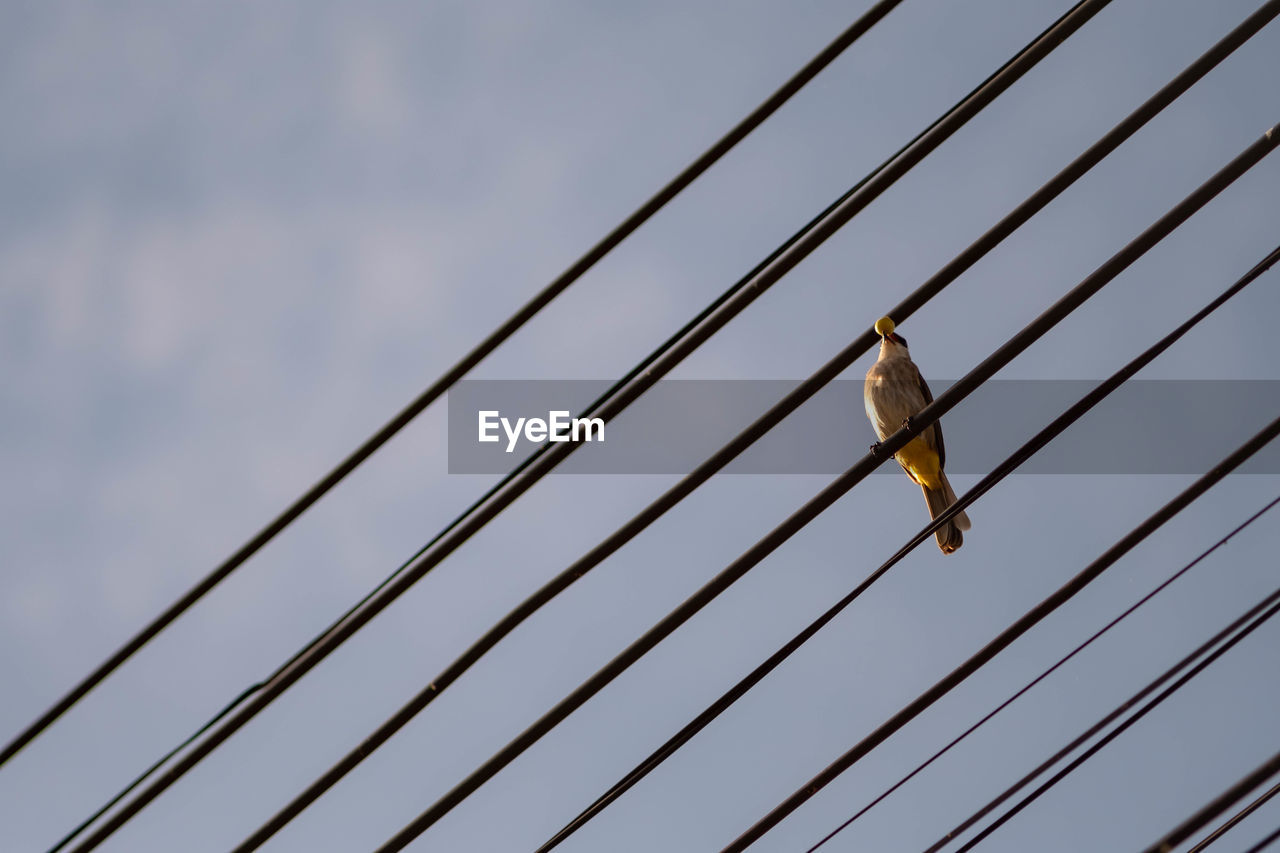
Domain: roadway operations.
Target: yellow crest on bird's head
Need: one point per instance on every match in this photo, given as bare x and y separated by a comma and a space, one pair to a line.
884, 326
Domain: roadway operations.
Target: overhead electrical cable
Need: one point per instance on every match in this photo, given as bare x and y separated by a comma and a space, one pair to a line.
464, 366
1272, 605
837, 488
592, 409
1041, 677
1008, 466
1234, 820
1220, 804
1004, 639
761, 426
840, 213
1272, 838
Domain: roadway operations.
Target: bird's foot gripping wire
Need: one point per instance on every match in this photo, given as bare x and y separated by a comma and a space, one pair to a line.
875, 449
906, 423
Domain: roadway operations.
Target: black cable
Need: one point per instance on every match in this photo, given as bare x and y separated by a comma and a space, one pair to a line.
788, 404
1235, 820
464, 366
1220, 804
1005, 638
593, 408
1042, 676
1266, 842
947, 400
1073, 745
1023, 453
1273, 600
87, 822
783, 260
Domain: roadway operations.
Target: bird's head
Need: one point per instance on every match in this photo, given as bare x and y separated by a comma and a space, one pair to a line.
885, 329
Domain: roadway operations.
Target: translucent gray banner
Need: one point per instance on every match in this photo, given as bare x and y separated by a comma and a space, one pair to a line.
1145, 427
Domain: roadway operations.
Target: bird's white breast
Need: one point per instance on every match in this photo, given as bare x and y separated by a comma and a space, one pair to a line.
891, 394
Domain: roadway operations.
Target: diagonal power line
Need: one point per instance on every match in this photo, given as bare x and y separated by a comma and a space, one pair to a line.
1059, 663
1269, 607
1005, 638
824, 499
1008, 466
1235, 819
461, 368
1220, 804
1271, 838
783, 261
792, 401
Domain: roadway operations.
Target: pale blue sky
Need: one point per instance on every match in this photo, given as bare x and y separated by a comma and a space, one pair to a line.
236, 238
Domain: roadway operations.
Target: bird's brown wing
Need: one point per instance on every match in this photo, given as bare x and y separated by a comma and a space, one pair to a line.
936, 426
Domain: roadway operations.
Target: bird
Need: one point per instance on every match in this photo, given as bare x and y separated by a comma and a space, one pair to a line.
894, 392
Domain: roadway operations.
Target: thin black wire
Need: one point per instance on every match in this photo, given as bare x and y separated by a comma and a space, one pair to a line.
858, 28
1042, 676
1220, 804
766, 274
997, 360
962, 262
578, 569
84, 824
1120, 376
1266, 842
1026, 451
1273, 599
464, 366
1235, 820
906, 308
1081, 739
1005, 638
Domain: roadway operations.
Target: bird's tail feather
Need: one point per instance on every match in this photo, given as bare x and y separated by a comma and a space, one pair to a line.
948, 535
